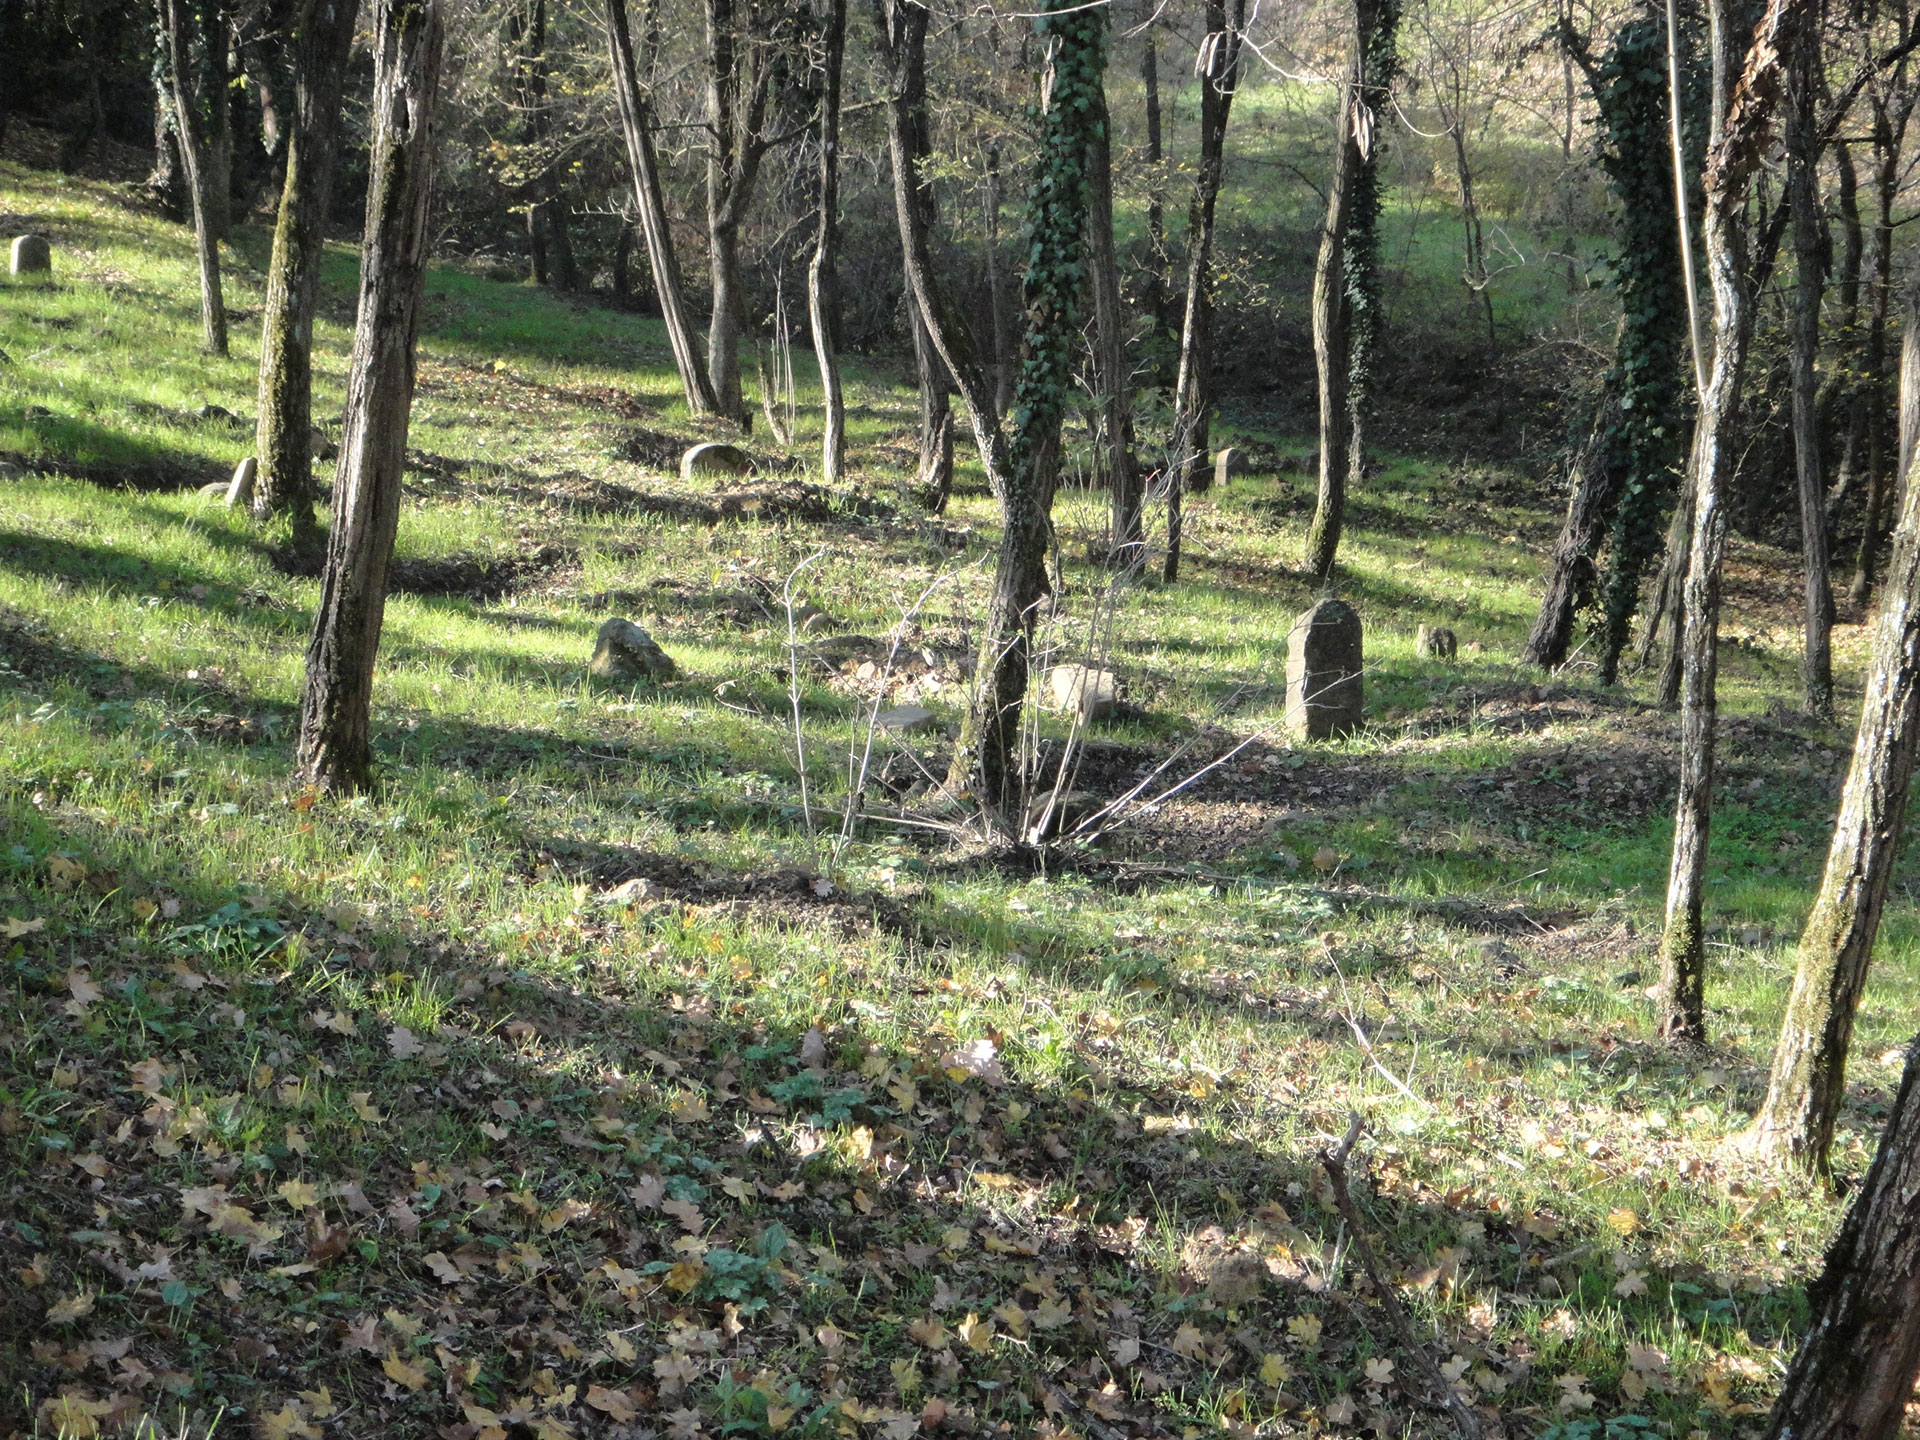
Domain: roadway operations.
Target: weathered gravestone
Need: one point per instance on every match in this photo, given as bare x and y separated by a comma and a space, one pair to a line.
625, 652
1324, 694
32, 258
1092, 691
1228, 463
240, 488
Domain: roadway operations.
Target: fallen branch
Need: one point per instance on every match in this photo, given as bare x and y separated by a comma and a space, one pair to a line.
1335, 1162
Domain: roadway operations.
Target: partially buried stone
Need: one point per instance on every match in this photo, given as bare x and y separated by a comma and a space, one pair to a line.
32, 257
715, 458
1094, 692
625, 652
216, 415
1435, 642
240, 488
1324, 694
907, 720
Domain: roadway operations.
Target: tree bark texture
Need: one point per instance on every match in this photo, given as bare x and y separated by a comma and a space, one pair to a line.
1193, 383
649, 198
321, 39
1809, 248
1331, 314
823, 299
1836, 946
1909, 379
335, 745
1739, 134
1118, 473
1571, 571
999, 303
1853, 1375
1160, 300
1889, 126
199, 124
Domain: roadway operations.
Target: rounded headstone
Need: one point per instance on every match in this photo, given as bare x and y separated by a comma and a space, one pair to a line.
1228, 463
1435, 642
1092, 691
1324, 694
715, 458
32, 257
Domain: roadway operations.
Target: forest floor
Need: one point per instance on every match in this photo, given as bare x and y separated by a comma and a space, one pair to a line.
591, 1077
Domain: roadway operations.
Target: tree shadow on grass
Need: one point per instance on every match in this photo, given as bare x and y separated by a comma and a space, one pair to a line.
531, 1147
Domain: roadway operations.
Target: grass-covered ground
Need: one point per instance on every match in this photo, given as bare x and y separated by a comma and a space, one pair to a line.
590, 1078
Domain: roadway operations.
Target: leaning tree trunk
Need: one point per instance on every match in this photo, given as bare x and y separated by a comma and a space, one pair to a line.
1809, 1063
321, 41
999, 305
636, 125
1193, 383
1853, 1375
983, 763
1809, 247
1331, 314
1739, 126
1571, 571
199, 157
1909, 377
1119, 474
823, 298
335, 748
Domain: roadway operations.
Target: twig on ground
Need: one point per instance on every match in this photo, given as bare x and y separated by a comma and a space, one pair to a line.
1335, 1162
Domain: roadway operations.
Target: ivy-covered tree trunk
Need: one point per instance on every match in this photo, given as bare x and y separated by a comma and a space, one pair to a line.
983, 763
1366, 306
823, 299
318, 47
1743, 101
1118, 473
196, 64
1808, 1083
335, 751
636, 125
1810, 244
1853, 1376
999, 302
1193, 384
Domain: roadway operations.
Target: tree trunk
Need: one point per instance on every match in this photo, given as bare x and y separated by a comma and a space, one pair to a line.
622, 268
823, 299
1571, 572
1160, 300
999, 305
335, 747
983, 763
1809, 246
1114, 460
318, 49
1853, 1375
1741, 107
636, 125
1886, 152
199, 156
1836, 946
1193, 384
900, 33
1331, 313
1909, 381
738, 75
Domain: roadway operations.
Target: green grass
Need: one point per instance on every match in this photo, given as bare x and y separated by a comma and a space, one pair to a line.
893, 1091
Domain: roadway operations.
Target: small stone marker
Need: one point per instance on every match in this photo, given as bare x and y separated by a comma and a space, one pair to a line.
907, 720
1435, 643
1094, 692
625, 652
32, 257
240, 488
1324, 695
715, 458
1228, 463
